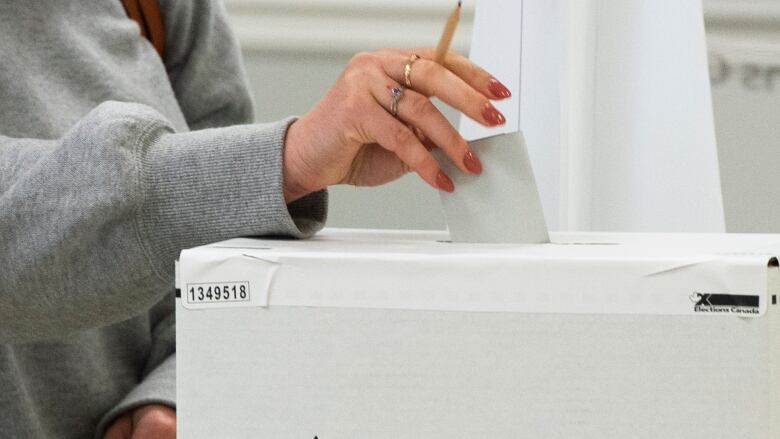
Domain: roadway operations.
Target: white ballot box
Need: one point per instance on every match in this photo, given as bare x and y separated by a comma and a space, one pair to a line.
389, 335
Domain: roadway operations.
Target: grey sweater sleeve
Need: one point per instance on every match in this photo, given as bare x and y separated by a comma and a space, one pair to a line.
158, 385
209, 81
91, 223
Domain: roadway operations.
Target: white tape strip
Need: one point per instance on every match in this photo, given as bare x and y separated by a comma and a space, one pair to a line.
495, 282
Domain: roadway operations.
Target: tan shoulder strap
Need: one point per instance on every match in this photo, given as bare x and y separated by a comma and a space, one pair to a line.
149, 18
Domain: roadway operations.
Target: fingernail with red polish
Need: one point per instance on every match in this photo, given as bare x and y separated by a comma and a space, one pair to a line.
472, 163
444, 182
498, 89
492, 116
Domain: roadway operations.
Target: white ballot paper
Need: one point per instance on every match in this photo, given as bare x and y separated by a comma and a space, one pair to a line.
501, 205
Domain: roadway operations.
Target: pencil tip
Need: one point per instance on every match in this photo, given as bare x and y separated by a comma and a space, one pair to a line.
459, 2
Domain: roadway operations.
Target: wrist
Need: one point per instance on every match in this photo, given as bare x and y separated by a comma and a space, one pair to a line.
296, 177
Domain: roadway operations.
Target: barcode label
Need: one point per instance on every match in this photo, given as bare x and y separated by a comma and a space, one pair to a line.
218, 292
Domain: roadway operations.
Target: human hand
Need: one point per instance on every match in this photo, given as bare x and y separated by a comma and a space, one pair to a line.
350, 137
153, 421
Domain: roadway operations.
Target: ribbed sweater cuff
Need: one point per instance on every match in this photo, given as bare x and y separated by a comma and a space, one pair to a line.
210, 185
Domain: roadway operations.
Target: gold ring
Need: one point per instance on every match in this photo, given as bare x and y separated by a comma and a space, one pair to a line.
408, 70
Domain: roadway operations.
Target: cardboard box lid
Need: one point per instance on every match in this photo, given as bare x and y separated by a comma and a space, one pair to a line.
605, 273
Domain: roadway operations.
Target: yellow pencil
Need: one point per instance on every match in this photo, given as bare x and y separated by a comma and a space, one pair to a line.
446, 35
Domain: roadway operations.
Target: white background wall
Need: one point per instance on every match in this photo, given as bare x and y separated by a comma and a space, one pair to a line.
295, 49
744, 46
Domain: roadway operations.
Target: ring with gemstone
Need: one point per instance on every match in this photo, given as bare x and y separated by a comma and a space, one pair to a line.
396, 93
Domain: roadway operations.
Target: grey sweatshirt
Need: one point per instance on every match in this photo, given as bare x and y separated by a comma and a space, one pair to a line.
111, 162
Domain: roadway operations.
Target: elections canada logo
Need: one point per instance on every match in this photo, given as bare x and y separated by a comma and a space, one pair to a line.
724, 303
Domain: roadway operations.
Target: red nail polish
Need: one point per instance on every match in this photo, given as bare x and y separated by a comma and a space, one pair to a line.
472, 163
492, 116
498, 89
444, 182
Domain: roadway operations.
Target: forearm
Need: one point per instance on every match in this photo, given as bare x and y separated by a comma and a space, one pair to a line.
91, 224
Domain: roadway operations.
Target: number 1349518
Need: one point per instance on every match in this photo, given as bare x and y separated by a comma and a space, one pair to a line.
218, 292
